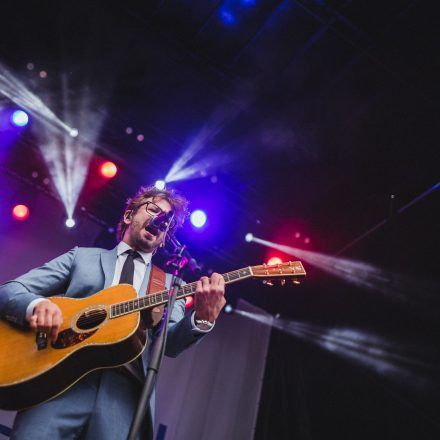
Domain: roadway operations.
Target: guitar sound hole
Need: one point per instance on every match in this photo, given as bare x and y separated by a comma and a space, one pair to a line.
91, 319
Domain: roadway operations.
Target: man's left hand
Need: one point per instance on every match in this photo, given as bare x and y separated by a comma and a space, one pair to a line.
209, 298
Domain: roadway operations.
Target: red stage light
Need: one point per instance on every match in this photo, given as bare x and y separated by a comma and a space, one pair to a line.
20, 212
274, 260
108, 170
189, 301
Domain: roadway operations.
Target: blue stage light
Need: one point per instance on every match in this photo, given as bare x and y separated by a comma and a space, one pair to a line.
228, 309
227, 16
20, 118
198, 218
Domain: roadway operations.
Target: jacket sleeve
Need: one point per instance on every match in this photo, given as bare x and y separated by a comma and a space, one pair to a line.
180, 331
47, 280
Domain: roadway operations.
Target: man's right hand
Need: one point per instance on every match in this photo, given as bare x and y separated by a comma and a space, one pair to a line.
47, 317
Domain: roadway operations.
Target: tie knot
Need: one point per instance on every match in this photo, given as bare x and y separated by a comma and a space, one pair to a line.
133, 254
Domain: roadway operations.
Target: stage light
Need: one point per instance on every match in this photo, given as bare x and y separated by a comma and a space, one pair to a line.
307, 240
189, 301
391, 284
249, 237
17, 92
108, 170
297, 235
226, 16
228, 309
20, 118
198, 218
74, 132
274, 260
20, 212
70, 223
160, 184
191, 163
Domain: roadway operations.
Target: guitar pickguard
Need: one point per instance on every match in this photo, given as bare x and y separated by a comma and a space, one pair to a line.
69, 337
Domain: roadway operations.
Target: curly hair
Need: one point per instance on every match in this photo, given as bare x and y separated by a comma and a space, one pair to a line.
178, 203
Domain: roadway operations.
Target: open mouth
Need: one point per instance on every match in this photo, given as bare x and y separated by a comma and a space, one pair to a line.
152, 231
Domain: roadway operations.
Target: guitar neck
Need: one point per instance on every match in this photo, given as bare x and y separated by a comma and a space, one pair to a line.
159, 298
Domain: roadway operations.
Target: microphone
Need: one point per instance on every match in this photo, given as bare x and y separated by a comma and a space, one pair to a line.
160, 222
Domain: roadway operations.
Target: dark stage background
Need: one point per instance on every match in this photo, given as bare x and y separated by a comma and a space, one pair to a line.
291, 120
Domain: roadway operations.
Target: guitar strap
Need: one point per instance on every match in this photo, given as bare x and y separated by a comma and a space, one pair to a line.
156, 284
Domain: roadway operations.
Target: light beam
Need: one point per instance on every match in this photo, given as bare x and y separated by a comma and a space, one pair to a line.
387, 358
17, 92
365, 275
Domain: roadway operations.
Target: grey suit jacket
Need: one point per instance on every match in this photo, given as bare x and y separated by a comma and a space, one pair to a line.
79, 273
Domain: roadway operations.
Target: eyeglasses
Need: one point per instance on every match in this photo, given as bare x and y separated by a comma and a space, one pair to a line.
154, 210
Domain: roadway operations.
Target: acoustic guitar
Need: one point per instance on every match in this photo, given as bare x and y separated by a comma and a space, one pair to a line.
101, 331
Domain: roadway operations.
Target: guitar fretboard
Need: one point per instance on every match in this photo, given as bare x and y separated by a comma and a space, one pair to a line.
156, 299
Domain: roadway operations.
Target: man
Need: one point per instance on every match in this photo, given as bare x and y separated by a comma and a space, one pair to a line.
101, 405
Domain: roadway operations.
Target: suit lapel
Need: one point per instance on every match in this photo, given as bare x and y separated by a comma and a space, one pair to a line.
108, 263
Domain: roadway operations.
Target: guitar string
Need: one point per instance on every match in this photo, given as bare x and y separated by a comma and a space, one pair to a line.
120, 309
188, 289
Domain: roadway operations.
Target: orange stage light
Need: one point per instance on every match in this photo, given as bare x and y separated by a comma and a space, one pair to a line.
108, 170
20, 212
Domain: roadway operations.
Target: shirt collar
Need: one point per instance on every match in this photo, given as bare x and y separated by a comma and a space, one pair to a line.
124, 247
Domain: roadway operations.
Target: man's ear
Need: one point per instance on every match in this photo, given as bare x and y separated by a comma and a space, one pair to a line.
127, 216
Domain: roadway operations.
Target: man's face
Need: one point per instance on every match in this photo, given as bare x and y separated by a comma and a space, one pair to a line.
136, 235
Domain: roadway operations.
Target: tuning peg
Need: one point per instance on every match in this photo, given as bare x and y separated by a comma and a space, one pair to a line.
296, 281
268, 282
283, 281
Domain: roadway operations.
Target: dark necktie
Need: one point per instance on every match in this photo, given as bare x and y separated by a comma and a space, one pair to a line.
135, 367
128, 268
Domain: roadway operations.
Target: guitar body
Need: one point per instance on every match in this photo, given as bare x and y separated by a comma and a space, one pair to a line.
88, 340
104, 330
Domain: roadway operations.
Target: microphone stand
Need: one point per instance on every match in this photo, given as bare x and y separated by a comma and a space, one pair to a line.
158, 350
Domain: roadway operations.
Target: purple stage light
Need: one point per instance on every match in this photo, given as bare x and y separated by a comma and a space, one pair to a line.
198, 218
20, 118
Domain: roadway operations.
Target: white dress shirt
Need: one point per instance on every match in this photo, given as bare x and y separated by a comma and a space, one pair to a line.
140, 266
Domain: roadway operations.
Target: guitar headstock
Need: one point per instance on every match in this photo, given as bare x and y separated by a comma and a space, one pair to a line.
292, 270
